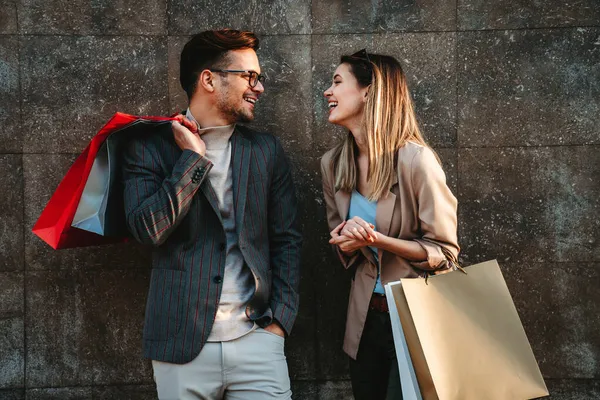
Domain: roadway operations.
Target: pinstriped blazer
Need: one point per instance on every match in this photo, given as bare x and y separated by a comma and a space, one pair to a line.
170, 204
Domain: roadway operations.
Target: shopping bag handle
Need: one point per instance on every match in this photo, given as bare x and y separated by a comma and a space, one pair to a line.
452, 262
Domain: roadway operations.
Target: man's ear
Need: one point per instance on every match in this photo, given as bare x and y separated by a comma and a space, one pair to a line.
206, 81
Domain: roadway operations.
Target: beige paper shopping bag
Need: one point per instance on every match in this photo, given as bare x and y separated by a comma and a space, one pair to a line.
465, 336
411, 364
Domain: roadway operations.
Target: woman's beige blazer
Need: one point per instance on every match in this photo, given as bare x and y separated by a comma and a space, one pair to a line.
419, 207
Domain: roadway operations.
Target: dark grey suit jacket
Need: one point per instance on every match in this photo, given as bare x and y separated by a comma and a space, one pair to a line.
170, 204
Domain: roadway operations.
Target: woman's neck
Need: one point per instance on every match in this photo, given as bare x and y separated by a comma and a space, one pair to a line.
360, 138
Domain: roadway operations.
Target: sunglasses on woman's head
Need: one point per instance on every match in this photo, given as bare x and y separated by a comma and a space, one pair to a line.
362, 55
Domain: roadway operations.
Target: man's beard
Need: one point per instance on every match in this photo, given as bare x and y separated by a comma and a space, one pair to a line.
242, 114
234, 113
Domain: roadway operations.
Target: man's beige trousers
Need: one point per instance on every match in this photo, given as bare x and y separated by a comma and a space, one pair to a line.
252, 367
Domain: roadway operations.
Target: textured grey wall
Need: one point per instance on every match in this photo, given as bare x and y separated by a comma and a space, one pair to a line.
508, 92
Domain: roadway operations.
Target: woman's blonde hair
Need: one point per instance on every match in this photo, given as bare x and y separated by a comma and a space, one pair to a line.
389, 122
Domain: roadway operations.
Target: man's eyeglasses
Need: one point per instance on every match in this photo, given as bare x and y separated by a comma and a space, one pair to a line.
253, 76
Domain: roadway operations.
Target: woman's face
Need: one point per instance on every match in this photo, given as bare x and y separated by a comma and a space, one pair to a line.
345, 98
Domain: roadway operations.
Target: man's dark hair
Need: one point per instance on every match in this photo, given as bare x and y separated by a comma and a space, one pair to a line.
208, 49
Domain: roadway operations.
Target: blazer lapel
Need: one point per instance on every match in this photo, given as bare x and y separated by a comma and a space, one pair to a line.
240, 166
211, 196
385, 212
342, 201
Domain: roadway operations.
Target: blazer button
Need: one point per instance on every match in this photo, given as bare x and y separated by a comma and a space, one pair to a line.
217, 279
222, 247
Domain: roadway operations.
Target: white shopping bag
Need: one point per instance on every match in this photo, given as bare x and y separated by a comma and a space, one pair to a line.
408, 378
91, 211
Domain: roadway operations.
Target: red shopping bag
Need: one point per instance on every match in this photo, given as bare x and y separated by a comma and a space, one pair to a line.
54, 224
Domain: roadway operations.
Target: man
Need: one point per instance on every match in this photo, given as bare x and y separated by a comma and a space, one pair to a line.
216, 201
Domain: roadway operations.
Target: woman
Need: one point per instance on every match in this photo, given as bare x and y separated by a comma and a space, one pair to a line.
390, 212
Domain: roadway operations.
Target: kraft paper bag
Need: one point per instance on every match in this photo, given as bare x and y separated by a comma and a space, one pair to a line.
465, 338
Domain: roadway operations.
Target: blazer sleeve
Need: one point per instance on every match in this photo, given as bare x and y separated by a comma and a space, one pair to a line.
437, 208
285, 242
333, 216
154, 204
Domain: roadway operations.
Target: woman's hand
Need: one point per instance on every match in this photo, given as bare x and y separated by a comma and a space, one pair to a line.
347, 244
340, 240
357, 228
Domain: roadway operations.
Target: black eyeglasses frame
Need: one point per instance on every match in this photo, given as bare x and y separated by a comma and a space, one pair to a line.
257, 77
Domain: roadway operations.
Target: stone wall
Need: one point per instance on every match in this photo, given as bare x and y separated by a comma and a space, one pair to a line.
508, 93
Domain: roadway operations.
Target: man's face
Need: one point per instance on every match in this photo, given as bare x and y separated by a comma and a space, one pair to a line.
235, 97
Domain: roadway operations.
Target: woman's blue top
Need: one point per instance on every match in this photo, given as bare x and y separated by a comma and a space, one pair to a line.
361, 207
